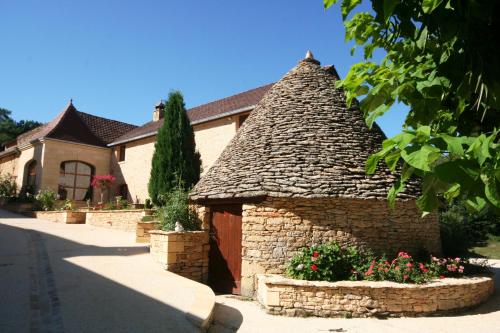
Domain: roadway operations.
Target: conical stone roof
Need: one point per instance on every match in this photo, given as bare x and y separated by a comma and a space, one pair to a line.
300, 141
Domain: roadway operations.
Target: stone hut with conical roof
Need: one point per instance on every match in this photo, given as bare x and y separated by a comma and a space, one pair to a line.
294, 176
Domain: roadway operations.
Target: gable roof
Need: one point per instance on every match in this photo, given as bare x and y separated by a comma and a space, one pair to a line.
76, 126
301, 140
231, 105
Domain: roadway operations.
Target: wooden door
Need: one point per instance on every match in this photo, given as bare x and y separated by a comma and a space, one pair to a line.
225, 249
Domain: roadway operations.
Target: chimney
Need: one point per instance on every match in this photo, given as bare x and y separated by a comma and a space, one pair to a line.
159, 111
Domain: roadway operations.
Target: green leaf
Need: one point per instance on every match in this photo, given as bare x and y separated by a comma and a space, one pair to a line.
372, 161
328, 3
379, 111
454, 144
428, 6
392, 159
396, 188
477, 203
389, 6
464, 172
420, 158
428, 202
347, 6
492, 193
452, 192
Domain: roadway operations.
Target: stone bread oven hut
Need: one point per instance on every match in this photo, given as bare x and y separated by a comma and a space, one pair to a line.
294, 176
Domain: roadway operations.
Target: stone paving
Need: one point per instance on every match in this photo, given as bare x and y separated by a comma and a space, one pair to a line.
78, 278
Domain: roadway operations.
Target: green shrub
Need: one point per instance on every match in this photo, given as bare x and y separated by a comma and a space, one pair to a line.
8, 186
176, 209
68, 205
327, 262
148, 204
330, 262
46, 199
462, 230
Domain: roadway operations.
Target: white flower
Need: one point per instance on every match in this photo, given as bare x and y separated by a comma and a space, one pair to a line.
300, 267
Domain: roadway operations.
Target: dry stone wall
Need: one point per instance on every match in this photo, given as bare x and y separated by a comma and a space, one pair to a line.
125, 220
277, 228
367, 299
66, 217
183, 253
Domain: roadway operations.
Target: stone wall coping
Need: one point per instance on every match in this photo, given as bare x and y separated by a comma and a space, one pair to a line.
58, 211
161, 232
279, 280
102, 211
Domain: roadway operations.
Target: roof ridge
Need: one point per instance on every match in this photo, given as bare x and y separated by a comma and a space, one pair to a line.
104, 118
231, 96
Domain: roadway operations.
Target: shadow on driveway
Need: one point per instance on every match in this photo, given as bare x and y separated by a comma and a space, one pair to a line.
34, 298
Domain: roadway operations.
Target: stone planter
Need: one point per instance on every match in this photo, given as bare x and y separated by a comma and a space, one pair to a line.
289, 297
19, 207
64, 216
142, 231
183, 253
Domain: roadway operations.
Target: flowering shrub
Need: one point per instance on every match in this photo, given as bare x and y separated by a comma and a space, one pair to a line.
102, 182
46, 199
327, 262
331, 262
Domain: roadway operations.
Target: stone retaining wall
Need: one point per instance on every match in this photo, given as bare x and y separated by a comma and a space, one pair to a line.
183, 253
66, 217
125, 220
290, 297
142, 231
275, 230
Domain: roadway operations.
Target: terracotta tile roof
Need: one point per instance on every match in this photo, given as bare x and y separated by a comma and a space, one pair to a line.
101, 130
301, 140
230, 105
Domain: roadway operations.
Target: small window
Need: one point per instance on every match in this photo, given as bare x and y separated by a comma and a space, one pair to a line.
121, 154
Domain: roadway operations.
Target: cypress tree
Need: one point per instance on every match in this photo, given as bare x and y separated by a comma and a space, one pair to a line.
175, 160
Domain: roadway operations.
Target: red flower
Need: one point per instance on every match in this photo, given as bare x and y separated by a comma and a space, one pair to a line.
405, 277
315, 254
441, 276
409, 265
314, 267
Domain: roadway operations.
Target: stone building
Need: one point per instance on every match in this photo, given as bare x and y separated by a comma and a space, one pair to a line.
95, 145
63, 154
294, 176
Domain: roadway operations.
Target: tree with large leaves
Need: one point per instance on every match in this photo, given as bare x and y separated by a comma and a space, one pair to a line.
442, 60
175, 160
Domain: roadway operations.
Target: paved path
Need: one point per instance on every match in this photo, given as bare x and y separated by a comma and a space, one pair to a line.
77, 278
233, 314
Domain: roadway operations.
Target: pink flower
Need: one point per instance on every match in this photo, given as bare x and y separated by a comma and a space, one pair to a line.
441, 276
461, 269
314, 258
405, 277
409, 265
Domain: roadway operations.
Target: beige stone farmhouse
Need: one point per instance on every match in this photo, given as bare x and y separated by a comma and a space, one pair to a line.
64, 153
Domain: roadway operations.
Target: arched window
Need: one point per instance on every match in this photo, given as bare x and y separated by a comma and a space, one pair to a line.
31, 173
74, 180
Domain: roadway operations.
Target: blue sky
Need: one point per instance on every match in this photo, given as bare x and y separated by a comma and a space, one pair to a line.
116, 59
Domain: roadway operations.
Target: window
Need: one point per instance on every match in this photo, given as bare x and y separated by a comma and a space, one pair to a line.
74, 180
31, 174
121, 154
